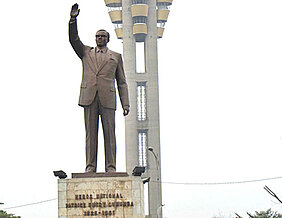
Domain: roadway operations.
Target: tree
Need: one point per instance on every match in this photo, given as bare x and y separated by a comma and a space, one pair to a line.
262, 214
265, 214
4, 214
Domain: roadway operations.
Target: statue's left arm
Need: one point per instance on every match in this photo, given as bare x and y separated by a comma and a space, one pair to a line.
122, 87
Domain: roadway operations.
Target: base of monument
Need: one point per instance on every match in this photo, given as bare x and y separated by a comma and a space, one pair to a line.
95, 175
113, 195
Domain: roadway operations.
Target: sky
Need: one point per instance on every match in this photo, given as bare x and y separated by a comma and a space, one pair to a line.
220, 86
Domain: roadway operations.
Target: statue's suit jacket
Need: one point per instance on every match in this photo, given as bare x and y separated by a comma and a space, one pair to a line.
99, 78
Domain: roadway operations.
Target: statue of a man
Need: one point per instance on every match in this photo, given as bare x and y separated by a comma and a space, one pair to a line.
101, 68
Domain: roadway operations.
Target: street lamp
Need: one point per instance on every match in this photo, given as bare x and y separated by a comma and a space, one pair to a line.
159, 209
156, 158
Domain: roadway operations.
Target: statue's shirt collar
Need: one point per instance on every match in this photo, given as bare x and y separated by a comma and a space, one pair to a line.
102, 50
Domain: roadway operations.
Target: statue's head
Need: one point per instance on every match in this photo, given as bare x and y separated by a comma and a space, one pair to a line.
102, 38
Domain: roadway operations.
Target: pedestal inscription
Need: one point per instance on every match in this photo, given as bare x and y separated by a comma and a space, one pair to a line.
113, 197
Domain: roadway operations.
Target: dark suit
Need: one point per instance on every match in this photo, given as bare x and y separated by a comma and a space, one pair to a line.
98, 96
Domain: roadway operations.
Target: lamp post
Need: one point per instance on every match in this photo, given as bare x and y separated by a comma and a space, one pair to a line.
159, 209
155, 156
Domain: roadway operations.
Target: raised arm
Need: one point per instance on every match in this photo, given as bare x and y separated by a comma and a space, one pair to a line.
73, 33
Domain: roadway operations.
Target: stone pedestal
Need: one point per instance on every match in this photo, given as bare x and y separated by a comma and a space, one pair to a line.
99, 195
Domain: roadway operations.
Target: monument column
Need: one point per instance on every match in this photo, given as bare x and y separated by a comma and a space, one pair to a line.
151, 60
129, 55
141, 24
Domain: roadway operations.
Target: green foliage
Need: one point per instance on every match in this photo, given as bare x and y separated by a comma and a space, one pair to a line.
262, 214
147, 216
265, 214
4, 214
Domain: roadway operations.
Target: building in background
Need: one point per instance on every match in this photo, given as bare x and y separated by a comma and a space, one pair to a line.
139, 23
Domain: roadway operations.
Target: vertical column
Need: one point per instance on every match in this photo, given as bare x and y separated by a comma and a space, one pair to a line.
129, 54
133, 126
151, 59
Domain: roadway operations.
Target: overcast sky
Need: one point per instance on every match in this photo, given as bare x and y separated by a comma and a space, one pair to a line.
220, 88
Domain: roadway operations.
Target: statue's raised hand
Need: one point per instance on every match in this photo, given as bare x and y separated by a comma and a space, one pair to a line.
74, 11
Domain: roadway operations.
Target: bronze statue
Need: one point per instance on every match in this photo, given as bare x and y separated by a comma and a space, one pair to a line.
101, 68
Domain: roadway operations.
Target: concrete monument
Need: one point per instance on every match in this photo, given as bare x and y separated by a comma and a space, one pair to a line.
90, 194
101, 69
101, 195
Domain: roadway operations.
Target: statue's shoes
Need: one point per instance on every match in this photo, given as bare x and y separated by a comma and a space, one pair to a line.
111, 170
90, 170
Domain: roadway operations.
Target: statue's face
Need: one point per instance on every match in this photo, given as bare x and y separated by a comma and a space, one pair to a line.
101, 38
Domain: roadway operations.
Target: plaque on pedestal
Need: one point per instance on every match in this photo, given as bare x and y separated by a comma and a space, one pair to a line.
115, 195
